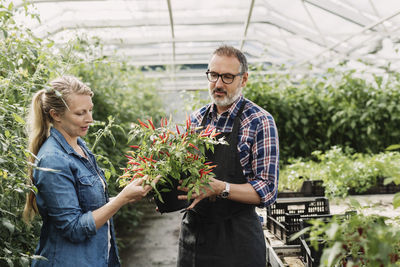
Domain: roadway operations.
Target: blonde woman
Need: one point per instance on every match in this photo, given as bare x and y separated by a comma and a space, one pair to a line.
73, 199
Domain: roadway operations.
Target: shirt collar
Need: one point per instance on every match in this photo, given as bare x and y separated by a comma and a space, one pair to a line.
61, 140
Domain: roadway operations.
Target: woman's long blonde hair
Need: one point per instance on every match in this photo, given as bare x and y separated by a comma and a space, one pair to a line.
39, 122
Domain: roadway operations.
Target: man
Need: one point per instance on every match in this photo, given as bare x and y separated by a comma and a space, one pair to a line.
220, 227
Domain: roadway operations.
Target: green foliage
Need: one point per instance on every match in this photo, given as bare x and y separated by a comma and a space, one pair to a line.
171, 155
27, 64
359, 240
22, 70
341, 170
335, 108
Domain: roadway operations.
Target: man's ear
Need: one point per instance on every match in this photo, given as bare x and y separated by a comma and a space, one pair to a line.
56, 117
244, 79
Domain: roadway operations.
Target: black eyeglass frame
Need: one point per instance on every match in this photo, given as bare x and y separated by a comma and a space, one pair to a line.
222, 77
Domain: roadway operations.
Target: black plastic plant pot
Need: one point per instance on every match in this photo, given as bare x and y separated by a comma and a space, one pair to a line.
169, 194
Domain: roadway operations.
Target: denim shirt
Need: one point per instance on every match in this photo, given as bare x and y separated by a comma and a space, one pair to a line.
65, 199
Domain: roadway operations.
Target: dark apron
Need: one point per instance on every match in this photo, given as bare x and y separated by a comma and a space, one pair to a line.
224, 232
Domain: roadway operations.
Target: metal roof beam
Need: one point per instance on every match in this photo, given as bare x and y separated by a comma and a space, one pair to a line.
366, 28
171, 22
246, 26
339, 11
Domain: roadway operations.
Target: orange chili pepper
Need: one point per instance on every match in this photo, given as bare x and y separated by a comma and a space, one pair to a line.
195, 147
151, 124
143, 124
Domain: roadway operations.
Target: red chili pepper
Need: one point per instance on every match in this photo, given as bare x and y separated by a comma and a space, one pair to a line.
211, 166
215, 134
177, 129
151, 124
162, 123
207, 172
166, 122
195, 147
142, 159
129, 157
135, 147
137, 170
137, 175
152, 160
208, 163
134, 163
143, 124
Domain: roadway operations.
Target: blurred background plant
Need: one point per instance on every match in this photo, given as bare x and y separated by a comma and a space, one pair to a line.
28, 63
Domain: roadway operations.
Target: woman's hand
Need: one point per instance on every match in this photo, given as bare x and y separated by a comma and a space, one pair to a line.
212, 191
131, 193
135, 190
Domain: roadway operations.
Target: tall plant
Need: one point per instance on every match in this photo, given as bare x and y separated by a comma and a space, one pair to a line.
335, 108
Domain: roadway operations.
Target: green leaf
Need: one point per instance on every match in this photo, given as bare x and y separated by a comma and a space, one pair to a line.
7, 223
333, 252
393, 147
396, 200
354, 203
18, 119
5, 33
333, 229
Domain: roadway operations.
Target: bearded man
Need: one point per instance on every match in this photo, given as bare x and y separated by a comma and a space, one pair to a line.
220, 227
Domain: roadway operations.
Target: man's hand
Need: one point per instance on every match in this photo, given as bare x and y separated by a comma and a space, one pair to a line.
212, 191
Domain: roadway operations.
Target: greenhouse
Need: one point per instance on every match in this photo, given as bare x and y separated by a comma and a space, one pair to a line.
325, 74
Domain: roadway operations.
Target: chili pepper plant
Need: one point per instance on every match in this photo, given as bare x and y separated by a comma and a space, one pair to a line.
170, 152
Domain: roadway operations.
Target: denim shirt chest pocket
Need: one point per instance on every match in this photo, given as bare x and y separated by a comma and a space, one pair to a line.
90, 188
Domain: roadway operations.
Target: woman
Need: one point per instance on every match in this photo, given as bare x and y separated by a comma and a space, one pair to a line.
72, 196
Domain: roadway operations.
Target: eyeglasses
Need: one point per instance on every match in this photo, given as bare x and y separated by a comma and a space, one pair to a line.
227, 78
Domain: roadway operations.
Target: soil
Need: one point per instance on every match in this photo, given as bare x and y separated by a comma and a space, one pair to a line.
154, 242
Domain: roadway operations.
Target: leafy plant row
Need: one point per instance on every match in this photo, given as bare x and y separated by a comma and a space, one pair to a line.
342, 170
359, 240
334, 108
27, 63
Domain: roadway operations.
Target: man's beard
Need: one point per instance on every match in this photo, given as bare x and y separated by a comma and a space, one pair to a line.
227, 100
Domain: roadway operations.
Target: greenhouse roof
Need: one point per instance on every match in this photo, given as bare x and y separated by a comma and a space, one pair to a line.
182, 34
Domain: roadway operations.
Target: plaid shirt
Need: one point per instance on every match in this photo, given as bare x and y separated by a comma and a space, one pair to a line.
258, 144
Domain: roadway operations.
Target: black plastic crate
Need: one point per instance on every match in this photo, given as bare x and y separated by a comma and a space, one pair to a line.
379, 188
293, 224
276, 228
310, 255
312, 188
313, 206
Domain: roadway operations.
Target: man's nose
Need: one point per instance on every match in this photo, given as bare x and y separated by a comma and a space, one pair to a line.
219, 83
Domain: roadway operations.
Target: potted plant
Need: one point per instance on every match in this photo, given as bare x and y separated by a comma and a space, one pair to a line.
176, 155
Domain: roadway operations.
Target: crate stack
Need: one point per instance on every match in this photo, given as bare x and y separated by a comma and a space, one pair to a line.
286, 216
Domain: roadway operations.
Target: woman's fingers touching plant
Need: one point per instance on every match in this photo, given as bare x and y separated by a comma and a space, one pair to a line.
138, 188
